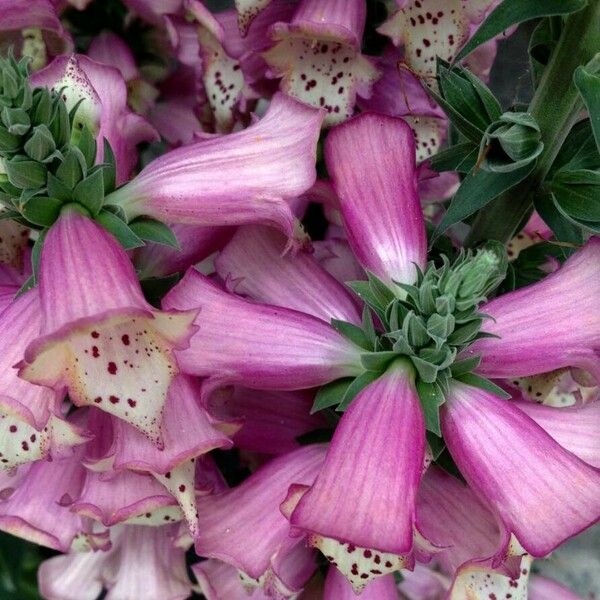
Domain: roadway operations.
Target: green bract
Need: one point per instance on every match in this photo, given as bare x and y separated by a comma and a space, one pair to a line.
429, 323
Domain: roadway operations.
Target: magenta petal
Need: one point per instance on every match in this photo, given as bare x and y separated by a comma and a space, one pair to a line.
107, 345
109, 49
220, 581
126, 496
244, 526
256, 345
186, 185
542, 588
374, 462
186, 432
196, 243
513, 464
338, 588
451, 516
576, 429
253, 264
548, 325
371, 159
38, 510
269, 421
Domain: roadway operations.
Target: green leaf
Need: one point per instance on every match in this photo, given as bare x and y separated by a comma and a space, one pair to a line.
563, 228
460, 367
36, 255
588, 84
40, 146
59, 124
577, 194
477, 190
154, 231
432, 398
368, 326
90, 192
41, 210
352, 332
16, 120
127, 238
464, 334
8, 141
25, 174
363, 290
330, 394
579, 150
57, 189
513, 12
109, 168
72, 169
542, 44
461, 158
42, 106
484, 384
382, 293
87, 144
436, 444
377, 361
356, 387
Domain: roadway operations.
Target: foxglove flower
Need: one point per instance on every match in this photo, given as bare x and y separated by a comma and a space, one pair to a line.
536, 327
318, 56
103, 109
32, 28
245, 355
186, 185
245, 528
379, 468
143, 562
338, 588
107, 346
31, 422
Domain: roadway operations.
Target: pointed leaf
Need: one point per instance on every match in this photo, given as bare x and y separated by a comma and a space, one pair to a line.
377, 361
330, 394
460, 367
513, 12
588, 84
90, 192
461, 158
41, 210
154, 231
432, 398
355, 387
25, 174
127, 238
484, 384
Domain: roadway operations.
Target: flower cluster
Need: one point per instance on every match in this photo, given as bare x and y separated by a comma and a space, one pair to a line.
251, 342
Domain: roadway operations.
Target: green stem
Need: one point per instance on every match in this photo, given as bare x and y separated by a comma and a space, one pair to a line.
556, 106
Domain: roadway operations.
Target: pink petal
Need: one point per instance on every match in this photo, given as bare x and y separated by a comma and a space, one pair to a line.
497, 448
244, 526
542, 588
111, 50
107, 345
371, 161
338, 588
253, 265
377, 470
576, 429
247, 11
551, 324
318, 56
299, 350
220, 581
269, 422
186, 185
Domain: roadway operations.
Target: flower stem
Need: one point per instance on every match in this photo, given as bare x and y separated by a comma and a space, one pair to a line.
556, 106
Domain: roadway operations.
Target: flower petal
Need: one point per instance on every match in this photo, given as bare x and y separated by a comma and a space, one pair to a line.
300, 351
338, 588
244, 526
371, 160
497, 447
547, 325
186, 185
253, 265
247, 11
377, 470
575, 428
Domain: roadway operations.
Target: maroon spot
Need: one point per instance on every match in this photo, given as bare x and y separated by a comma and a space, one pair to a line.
12, 428
98, 399
131, 402
25, 446
388, 564
377, 559
95, 334
125, 339
351, 548
95, 352
375, 572
182, 488
168, 475
112, 368
113, 399
32, 438
354, 569
426, 42
148, 515
364, 576
367, 554
418, 51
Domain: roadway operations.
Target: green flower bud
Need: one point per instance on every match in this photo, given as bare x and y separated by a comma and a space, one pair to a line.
511, 142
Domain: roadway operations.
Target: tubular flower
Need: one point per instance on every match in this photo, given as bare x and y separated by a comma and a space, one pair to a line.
103, 96
143, 562
107, 346
32, 28
245, 528
186, 185
318, 56
419, 362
